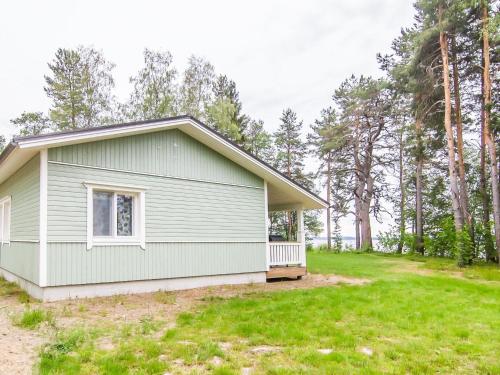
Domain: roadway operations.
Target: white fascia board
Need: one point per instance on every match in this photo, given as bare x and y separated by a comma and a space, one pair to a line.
98, 134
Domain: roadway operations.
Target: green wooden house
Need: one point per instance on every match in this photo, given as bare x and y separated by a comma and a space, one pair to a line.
153, 205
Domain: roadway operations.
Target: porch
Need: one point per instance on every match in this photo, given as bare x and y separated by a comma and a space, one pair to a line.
286, 257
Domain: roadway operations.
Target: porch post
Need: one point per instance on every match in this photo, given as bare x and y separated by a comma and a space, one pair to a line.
266, 228
301, 235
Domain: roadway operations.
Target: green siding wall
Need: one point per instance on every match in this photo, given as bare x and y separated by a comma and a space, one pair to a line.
21, 259
166, 153
71, 263
176, 210
21, 256
193, 228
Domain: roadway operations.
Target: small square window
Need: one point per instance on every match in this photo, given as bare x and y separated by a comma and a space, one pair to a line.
116, 216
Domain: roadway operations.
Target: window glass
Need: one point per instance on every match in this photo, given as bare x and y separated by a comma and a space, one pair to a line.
124, 215
103, 213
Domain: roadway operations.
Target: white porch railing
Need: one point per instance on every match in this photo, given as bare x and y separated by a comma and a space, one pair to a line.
286, 253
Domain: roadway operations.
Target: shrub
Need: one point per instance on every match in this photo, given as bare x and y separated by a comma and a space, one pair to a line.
441, 240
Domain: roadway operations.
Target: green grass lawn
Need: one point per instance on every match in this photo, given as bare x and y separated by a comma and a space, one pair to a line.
402, 322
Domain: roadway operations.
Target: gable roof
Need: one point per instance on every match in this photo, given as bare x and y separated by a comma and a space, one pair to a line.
282, 190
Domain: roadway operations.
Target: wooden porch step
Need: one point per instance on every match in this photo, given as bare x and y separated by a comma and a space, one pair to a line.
286, 272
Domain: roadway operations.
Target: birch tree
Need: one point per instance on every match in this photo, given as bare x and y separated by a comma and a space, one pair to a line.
195, 93
154, 90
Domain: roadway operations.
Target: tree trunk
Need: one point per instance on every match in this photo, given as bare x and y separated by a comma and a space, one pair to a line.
357, 229
289, 213
366, 231
485, 198
402, 196
328, 199
464, 199
455, 196
358, 189
357, 212
490, 142
419, 225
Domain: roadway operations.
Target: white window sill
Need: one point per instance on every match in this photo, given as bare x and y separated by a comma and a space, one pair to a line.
117, 242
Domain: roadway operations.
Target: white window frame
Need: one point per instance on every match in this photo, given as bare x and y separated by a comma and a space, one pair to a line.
2, 222
138, 237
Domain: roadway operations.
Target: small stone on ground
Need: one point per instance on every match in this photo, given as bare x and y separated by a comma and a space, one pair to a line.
225, 345
367, 351
216, 361
325, 351
265, 349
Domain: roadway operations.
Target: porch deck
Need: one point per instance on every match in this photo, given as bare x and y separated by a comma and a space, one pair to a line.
286, 260
280, 272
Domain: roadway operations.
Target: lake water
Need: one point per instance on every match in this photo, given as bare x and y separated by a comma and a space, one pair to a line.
347, 242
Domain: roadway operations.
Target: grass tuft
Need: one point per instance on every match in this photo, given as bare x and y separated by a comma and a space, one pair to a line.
165, 297
11, 289
33, 318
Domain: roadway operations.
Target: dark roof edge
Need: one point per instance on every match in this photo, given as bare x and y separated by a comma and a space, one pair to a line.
113, 126
12, 145
7, 150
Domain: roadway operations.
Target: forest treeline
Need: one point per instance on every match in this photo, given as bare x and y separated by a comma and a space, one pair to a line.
420, 144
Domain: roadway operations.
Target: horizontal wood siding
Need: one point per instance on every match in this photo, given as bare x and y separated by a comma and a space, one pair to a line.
24, 189
21, 259
21, 256
176, 210
71, 263
204, 213
168, 152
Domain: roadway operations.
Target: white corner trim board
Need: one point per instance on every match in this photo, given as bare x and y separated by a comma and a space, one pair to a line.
55, 293
266, 227
43, 218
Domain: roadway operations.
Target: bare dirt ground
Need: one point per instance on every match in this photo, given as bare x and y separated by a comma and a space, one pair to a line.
19, 348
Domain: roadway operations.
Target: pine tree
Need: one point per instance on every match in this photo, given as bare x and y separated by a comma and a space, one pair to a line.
80, 86
258, 141
291, 152
224, 89
364, 107
328, 144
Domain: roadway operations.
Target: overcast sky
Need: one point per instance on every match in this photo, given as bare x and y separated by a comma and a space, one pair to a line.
280, 53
